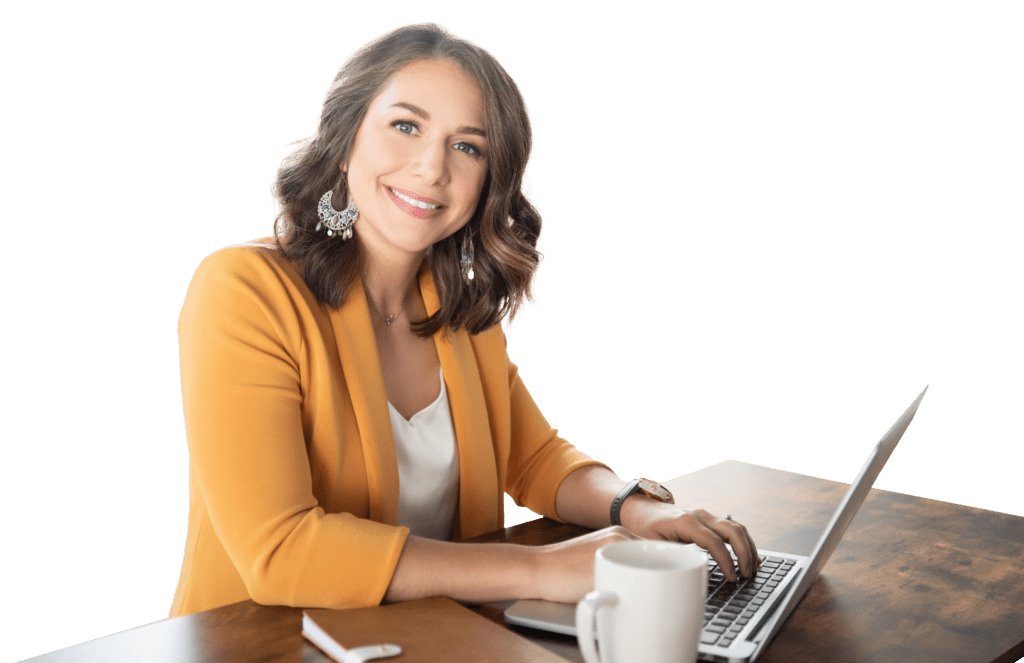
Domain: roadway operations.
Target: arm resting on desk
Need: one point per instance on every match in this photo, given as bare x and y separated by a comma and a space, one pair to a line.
485, 572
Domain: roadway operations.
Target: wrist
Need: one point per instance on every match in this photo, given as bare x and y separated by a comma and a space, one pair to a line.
638, 509
646, 487
532, 560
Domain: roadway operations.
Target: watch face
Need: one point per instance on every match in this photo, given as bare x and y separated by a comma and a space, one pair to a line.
655, 490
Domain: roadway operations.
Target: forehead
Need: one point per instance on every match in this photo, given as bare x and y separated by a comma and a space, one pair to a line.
439, 87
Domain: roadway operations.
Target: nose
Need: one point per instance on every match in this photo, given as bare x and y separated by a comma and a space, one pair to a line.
432, 163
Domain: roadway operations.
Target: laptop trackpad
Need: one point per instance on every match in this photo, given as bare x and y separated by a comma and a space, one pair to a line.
544, 615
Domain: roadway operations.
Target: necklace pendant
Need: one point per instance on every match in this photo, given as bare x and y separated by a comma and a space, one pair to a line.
388, 320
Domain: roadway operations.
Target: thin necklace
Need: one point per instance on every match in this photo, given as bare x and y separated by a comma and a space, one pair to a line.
387, 319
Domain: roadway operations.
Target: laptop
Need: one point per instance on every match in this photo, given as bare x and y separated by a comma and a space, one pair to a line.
741, 618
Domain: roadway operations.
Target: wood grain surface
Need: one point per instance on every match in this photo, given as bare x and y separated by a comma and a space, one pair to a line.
914, 580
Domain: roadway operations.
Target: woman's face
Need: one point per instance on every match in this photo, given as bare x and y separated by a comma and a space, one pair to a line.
418, 162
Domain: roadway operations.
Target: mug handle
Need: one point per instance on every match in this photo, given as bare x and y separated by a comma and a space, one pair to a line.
585, 610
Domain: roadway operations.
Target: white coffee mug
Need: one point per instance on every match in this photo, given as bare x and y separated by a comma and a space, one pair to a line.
648, 599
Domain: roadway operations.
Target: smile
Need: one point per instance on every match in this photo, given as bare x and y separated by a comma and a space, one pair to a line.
413, 201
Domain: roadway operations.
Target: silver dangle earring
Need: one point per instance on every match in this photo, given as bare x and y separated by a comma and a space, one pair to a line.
467, 257
336, 222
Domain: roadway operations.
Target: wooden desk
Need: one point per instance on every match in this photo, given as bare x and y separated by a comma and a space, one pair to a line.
913, 580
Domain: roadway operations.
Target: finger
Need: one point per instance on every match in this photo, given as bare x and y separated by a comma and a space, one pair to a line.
756, 556
707, 539
753, 549
738, 537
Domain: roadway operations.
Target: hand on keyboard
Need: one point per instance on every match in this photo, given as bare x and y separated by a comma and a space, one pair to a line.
656, 520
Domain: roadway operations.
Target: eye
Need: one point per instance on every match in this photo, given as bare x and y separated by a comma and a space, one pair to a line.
405, 126
469, 148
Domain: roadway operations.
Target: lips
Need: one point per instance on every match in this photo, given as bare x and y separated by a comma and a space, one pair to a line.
407, 201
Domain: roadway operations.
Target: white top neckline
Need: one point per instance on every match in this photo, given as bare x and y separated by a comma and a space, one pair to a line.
441, 396
428, 468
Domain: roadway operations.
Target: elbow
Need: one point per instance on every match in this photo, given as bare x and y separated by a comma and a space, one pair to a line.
274, 578
347, 565
305, 586
269, 589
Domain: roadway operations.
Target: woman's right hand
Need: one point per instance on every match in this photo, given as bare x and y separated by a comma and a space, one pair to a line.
564, 572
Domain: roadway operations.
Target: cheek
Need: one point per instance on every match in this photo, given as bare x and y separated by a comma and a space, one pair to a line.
473, 188
375, 156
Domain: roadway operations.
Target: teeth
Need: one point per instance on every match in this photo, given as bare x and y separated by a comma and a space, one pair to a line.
417, 203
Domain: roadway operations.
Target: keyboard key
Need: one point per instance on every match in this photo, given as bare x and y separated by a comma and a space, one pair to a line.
742, 621
711, 628
726, 640
708, 638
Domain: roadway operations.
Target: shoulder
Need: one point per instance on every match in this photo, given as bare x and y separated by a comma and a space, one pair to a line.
255, 265
253, 275
253, 257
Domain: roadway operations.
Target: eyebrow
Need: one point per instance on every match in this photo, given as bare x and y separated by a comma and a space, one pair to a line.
426, 116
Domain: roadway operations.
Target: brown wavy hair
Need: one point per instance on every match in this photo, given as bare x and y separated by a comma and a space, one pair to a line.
504, 228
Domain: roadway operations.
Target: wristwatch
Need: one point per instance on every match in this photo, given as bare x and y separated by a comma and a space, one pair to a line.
645, 486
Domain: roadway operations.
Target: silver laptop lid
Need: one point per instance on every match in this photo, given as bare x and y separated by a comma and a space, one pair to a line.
842, 517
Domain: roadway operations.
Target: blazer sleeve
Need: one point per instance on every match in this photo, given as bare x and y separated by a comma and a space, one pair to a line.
539, 460
240, 338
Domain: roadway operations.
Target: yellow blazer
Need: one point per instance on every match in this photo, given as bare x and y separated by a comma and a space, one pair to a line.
293, 482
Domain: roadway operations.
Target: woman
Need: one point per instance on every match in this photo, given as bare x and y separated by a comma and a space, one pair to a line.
348, 383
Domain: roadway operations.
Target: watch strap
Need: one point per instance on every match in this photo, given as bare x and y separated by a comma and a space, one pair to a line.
626, 491
650, 488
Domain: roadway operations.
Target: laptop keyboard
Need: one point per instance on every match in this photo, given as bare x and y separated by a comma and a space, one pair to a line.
731, 605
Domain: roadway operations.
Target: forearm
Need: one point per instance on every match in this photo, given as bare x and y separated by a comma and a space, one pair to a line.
469, 572
585, 497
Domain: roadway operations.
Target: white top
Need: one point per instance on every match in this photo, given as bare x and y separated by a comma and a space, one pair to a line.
428, 469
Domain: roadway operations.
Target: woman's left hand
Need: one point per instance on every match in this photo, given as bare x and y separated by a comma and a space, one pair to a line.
651, 519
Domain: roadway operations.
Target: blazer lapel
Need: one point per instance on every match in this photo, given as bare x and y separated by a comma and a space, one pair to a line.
478, 475
353, 331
